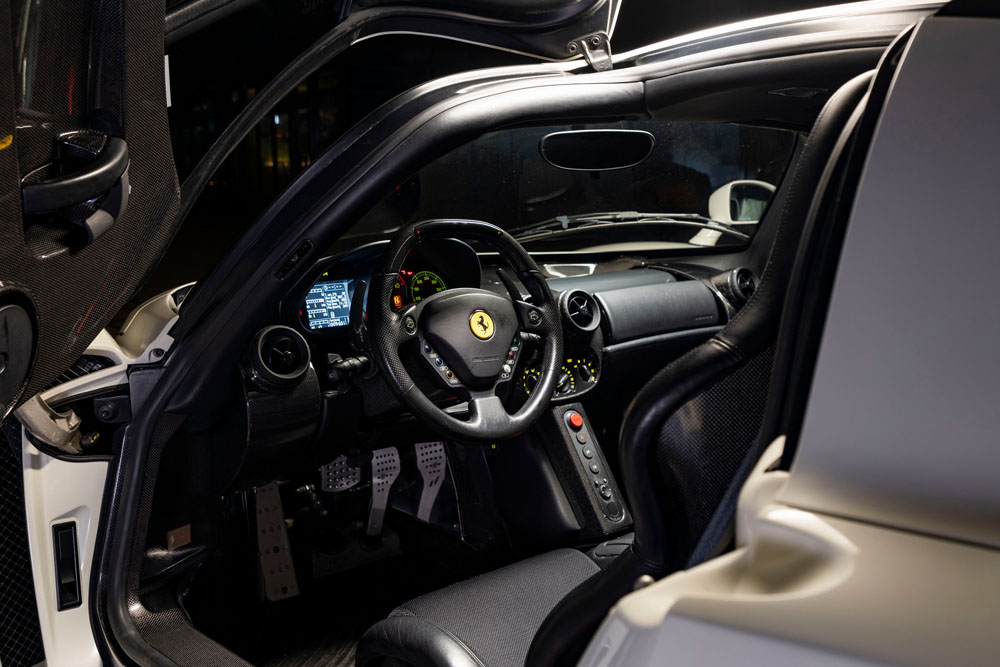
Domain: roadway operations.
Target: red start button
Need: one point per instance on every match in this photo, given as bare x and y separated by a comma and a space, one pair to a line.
574, 420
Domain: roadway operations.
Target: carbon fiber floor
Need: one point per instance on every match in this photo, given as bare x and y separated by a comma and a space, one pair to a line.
321, 628
334, 650
318, 630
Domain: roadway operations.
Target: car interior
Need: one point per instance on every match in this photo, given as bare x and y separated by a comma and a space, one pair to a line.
523, 359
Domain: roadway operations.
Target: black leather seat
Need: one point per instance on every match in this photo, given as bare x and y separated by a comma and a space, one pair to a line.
685, 442
488, 620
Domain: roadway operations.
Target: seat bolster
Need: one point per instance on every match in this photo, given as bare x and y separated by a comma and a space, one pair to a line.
568, 628
415, 642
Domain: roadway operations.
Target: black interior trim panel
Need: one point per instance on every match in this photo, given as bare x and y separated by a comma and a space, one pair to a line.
635, 312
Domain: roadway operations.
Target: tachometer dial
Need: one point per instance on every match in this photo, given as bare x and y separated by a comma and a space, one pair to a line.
425, 284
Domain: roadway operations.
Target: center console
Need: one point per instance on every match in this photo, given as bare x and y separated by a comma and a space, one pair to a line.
595, 468
554, 484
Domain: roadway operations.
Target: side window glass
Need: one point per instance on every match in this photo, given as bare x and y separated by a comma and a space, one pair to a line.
216, 72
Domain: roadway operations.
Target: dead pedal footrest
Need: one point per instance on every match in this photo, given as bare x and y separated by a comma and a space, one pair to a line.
339, 475
276, 567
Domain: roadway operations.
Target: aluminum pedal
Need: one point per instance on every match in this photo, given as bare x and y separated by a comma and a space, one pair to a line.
339, 475
276, 567
432, 461
385, 470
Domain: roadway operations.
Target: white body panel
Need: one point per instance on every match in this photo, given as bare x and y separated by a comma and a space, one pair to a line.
909, 352
815, 590
56, 492
882, 545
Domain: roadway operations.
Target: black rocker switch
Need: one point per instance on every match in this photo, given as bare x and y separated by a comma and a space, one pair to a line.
64, 553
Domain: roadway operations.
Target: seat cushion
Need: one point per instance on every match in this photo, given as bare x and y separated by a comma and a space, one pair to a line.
489, 620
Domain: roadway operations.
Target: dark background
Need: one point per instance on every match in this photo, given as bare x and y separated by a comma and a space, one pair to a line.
214, 73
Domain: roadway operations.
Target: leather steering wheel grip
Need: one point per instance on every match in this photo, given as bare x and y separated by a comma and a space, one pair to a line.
386, 333
488, 420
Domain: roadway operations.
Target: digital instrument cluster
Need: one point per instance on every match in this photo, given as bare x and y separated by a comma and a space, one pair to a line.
326, 307
322, 302
328, 304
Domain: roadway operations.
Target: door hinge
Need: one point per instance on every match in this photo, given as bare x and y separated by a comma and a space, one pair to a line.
596, 50
55, 429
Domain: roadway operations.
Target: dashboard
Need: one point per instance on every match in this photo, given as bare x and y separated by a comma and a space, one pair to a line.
321, 307
640, 317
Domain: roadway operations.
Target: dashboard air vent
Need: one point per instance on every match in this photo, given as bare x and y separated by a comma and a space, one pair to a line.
278, 357
581, 311
742, 284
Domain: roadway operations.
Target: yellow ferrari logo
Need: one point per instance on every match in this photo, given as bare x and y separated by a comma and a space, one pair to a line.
481, 324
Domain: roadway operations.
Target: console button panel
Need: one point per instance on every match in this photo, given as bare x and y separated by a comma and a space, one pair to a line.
576, 426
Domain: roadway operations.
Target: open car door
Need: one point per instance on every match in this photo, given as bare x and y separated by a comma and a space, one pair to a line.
90, 194
549, 29
91, 201
91, 198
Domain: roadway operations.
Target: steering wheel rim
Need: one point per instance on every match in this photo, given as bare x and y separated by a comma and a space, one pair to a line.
390, 330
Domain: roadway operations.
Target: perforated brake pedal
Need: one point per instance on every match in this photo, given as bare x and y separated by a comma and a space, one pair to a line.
276, 566
385, 470
339, 475
432, 461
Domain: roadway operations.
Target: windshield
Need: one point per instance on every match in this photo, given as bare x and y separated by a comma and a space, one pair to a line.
702, 185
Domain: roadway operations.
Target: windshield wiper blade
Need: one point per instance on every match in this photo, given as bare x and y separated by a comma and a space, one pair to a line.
564, 221
567, 223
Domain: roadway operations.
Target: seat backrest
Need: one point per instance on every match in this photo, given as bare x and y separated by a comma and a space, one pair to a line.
694, 421
700, 448
690, 427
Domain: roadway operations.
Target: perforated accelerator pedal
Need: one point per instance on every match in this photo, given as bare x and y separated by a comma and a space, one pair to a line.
385, 470
339, 475
432, 461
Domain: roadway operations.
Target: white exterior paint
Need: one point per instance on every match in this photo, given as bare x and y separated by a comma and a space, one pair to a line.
55, 492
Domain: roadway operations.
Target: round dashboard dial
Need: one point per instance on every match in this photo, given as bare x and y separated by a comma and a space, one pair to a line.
584, 368
572, 374
566, 383
425, 284
529, 379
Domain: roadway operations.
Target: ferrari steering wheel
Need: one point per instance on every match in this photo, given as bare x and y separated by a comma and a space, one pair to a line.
471, 338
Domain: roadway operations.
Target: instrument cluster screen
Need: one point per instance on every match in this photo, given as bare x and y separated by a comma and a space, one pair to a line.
328, 304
